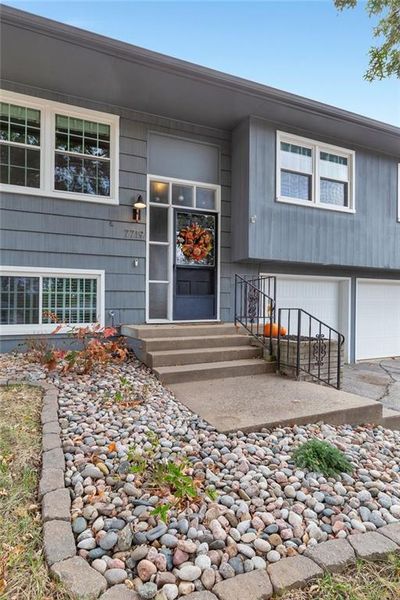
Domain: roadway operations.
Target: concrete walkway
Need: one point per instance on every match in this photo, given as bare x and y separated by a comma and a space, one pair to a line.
250, 403
379, 380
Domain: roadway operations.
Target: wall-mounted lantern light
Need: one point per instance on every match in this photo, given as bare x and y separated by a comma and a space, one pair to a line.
137, 207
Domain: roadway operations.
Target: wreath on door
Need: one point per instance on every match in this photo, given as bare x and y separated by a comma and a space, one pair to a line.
195, 242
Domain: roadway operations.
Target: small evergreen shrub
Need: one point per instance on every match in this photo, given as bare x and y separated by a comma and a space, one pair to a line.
321, 457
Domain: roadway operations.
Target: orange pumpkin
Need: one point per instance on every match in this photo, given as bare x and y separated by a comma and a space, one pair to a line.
275, 330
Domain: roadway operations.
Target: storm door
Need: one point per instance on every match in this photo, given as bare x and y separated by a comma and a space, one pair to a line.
195, 266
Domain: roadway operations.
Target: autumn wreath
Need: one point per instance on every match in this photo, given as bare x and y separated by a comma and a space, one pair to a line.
195, 242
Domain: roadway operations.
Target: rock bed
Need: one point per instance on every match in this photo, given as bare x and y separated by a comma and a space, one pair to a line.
266, 508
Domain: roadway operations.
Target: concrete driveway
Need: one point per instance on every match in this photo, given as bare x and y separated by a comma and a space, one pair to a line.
379, 380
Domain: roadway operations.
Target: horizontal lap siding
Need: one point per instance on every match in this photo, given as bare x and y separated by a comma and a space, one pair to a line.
48, 232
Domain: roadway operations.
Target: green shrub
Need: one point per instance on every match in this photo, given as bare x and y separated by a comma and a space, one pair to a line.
321, 457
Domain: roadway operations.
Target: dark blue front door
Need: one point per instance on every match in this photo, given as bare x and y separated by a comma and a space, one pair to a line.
195, 265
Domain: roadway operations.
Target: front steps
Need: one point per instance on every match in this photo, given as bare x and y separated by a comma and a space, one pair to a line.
184, 353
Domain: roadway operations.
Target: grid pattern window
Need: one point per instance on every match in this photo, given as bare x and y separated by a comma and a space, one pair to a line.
58, 150
19, 300
314, 174
82, 156
32, 302
19, 145
296, 171
69, 299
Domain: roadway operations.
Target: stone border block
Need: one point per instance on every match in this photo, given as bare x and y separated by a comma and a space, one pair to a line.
50, 441
372, 545
49, 413
255, 585
51, 427
333, 555
57, 506
79, 579
58, 540
391, 531
51, 480
53, 459
293, 572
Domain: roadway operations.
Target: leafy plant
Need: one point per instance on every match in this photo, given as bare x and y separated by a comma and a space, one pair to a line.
96, 348
211, 493
320, 456
162, 512
384, 59
173, 476
168, 478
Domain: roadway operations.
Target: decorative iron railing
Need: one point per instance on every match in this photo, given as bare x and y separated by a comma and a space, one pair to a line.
308, 348
255, 306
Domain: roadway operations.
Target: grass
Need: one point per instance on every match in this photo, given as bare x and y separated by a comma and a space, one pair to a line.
23, 572
321, 457
363, 581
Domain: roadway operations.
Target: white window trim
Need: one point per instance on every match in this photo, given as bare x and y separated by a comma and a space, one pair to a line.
40, 329
170, 208
48, 110
316, 147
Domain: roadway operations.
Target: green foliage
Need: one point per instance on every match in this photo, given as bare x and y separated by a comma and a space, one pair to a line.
211, 493
384, 59
169, 478
162, 512
321, 457
172, 475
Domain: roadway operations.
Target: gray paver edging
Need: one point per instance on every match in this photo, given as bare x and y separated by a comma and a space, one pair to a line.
85, 583
74, 572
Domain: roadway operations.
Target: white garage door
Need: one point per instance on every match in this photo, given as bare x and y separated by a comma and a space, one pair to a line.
378, 319
327, 299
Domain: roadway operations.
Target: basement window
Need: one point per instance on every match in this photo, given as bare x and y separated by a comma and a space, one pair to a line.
32, 300
314, 174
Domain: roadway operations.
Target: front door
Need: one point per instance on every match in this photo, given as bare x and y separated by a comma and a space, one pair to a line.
195, 265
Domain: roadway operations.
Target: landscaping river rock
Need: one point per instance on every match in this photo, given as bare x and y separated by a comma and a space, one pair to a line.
254, 508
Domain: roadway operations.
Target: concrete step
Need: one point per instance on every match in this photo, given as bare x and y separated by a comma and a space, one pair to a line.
194, 356
390, 418
175, 330
183, 343
199, 372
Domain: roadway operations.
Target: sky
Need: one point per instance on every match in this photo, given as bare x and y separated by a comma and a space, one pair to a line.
304, 47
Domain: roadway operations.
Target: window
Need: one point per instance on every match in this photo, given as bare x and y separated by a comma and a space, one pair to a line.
20, 145
29, 299
178, 194
314, 174
54, 149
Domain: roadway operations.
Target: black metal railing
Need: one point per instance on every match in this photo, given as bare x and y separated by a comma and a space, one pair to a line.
255, 305
308, 346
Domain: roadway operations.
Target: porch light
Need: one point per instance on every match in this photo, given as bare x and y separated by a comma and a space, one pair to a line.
137, 207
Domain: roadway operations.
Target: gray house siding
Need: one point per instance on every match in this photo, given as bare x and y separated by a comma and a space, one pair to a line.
370, 238
49, 232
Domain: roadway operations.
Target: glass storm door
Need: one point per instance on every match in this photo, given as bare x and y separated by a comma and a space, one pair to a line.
195, 266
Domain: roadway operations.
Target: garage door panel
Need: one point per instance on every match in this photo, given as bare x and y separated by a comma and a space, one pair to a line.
320, 298
378, 319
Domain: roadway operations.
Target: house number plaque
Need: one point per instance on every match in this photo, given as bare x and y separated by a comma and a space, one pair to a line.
134, 234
